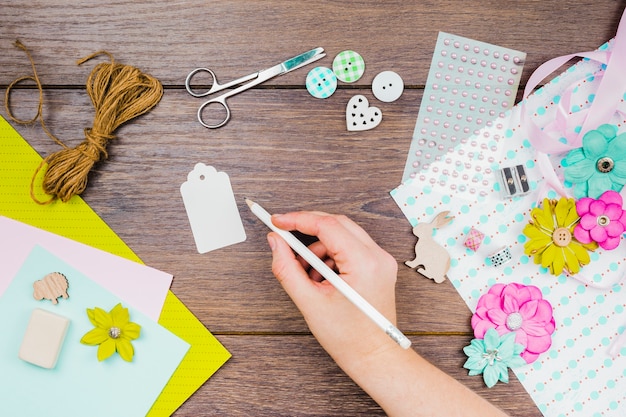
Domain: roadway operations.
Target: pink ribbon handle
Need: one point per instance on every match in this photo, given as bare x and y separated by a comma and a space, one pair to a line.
617, 345
540, 139
543, 141
608, 96
613, 84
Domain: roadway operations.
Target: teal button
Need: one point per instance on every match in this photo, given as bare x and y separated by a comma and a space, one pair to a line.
321, 82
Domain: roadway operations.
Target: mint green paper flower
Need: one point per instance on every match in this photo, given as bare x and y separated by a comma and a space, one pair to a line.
600, 165
493, 356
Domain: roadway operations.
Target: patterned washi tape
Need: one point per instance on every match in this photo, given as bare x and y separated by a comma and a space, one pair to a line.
348, 66
321, 82
501, 257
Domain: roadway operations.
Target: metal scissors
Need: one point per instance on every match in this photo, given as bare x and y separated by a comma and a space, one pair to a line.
254, 78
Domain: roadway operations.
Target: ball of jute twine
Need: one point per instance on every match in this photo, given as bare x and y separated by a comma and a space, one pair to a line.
119, 93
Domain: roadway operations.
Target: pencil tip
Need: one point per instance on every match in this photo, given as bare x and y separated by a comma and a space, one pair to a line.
248, 202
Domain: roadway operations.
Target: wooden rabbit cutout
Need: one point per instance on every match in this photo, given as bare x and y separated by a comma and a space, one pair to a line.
431, 259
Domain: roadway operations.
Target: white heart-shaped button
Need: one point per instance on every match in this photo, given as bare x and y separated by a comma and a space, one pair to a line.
360, 116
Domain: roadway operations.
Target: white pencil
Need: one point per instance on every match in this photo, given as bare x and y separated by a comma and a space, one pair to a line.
330, 275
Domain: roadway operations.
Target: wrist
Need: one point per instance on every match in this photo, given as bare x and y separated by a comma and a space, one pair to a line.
365, 351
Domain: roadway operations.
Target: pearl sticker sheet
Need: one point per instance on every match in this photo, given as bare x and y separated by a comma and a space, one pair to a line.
470, 83
577, 375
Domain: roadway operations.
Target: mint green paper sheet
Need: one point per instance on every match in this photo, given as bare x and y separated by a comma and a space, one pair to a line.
79, 385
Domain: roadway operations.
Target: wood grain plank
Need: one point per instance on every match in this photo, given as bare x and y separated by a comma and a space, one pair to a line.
293, 376
284, 149
235, 37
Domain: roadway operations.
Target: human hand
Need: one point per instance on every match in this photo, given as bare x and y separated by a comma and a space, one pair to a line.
401, 381
343, 330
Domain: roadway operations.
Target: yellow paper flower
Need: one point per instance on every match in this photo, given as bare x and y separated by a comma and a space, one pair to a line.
551, 237
113, 332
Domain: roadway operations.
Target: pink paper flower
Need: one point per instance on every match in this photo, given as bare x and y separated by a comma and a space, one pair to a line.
602, 220
520, 309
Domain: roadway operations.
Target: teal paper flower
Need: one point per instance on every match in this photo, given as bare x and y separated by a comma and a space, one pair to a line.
600, 165
493, 356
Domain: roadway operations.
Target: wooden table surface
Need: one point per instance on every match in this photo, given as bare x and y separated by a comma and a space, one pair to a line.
284, 148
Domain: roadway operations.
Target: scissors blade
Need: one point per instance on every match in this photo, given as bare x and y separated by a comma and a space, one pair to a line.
302, 59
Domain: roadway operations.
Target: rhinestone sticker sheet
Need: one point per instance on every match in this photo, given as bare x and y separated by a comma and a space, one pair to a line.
469, 85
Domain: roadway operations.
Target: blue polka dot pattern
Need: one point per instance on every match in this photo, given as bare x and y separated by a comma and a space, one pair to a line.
577, 376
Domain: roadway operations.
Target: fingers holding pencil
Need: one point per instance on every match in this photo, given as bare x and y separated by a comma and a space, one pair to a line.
310, 220
336, 232
317, 248
360, 261
288, 270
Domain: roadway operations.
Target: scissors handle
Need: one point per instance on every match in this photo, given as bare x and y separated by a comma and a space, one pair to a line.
214, 85
212, 82
219, 101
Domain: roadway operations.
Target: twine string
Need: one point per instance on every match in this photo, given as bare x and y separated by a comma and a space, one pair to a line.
35, 79
118, 93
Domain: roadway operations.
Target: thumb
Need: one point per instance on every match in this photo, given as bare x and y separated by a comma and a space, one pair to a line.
288, 270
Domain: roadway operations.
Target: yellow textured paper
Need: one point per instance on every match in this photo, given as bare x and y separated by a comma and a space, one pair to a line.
77, 221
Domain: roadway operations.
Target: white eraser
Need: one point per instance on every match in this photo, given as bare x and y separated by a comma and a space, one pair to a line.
43, 338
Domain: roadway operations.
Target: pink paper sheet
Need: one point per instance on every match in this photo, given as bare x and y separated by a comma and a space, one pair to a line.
140, 286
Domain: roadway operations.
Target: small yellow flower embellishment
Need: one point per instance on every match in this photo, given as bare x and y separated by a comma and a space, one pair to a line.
551, 237
113, 332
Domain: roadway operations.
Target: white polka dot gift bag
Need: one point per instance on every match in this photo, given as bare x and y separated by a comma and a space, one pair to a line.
538, 200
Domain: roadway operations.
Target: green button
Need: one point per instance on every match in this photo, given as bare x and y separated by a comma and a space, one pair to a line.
348, 66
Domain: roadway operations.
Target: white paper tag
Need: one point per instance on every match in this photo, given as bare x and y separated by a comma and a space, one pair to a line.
212, 209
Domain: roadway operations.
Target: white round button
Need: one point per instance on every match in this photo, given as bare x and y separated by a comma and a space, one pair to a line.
387, 86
